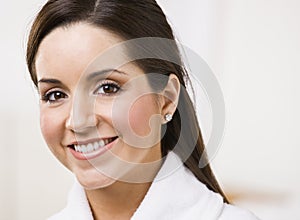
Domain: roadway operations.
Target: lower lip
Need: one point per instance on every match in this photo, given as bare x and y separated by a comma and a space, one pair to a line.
94, 154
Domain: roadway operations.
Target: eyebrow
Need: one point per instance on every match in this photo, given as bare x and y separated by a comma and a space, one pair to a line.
89, 78
102, 72
50, 81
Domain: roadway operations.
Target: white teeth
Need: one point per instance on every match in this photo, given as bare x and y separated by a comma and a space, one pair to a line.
83, 149
101, 143
96, 145
92, 146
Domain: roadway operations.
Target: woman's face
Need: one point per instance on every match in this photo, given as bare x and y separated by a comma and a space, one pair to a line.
101, 122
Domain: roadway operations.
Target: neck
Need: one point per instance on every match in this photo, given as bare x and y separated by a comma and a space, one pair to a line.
121, 199
118, 201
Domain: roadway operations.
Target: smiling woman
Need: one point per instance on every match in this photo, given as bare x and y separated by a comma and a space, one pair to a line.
82, 104
125, 126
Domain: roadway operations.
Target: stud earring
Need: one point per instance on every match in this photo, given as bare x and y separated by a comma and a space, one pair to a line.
168, 117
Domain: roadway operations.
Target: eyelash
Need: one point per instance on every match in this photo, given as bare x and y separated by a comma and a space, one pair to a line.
116, 88
46, 97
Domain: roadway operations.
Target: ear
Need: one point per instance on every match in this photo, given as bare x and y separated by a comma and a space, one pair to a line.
170, 96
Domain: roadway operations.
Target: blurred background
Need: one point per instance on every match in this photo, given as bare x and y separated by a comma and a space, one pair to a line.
252, 47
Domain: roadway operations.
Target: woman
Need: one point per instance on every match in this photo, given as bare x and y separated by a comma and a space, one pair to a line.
115, 111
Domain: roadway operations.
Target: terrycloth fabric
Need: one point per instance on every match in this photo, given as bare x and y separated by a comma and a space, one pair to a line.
175, 194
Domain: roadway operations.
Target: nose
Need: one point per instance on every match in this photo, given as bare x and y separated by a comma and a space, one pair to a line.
81, 115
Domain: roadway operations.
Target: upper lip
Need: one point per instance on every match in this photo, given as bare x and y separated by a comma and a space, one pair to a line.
85, 142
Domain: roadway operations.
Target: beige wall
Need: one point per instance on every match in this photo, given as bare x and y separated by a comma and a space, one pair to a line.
252, 47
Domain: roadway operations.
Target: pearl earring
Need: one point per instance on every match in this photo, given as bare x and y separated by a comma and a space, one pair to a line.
168, 117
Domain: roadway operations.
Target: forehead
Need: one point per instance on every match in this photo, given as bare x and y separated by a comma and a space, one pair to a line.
71, 49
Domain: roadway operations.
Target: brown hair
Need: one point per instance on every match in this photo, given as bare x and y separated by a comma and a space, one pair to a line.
133, 19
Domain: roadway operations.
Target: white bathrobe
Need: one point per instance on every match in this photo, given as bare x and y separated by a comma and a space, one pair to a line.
175, 194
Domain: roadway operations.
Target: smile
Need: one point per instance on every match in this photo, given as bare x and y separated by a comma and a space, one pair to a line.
83, 148
92, 149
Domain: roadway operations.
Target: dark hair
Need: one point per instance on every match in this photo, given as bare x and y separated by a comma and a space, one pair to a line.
133, 19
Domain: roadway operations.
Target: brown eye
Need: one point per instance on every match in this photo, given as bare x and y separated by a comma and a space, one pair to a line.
107, 89
54, 96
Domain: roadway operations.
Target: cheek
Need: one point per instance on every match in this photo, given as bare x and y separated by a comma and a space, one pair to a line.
143, 115
51, 129
138, 121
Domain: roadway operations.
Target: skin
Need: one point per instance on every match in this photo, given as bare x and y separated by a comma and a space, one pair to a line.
74, 110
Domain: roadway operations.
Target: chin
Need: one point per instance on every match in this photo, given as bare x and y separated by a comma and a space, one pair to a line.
91, 180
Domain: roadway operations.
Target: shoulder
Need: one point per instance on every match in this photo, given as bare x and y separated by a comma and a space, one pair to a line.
77, 206
231, 212
177, 190
62, 215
